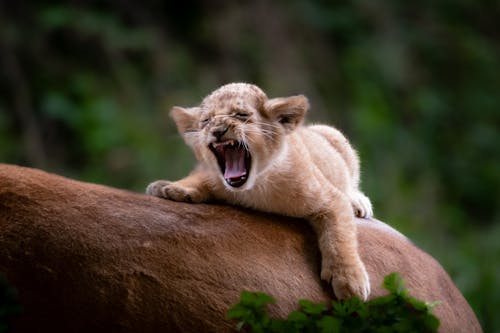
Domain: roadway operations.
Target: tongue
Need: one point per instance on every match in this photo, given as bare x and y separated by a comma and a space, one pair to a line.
235, 163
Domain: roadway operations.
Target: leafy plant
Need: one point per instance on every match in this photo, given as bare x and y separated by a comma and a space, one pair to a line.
395, 312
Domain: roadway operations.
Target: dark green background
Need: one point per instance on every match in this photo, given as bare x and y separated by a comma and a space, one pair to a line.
86, 87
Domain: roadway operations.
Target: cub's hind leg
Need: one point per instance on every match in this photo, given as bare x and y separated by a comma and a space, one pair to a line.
361, 204
340, 143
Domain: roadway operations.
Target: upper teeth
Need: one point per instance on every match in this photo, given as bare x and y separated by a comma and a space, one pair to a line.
225, 143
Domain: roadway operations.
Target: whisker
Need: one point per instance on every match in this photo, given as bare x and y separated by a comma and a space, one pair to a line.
267, 124
252, 140
268, 134
262, 129
270, 137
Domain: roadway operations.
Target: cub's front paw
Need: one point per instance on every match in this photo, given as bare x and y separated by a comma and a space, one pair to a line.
156, 188
172, 191
347, 280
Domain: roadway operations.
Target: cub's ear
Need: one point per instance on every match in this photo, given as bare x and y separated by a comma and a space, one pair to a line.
288, 111
186, 119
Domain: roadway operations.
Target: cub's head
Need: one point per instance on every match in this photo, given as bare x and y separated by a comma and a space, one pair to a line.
239, 132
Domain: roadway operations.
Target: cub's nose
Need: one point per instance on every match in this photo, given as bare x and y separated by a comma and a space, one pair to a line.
218, 132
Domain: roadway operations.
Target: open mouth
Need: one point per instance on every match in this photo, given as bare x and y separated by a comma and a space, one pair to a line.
234, 161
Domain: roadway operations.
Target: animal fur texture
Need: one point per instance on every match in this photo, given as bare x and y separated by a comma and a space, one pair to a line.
255, 152
91, 258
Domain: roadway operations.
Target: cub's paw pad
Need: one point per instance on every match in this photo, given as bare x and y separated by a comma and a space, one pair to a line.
349, 281
177, 193
169, 190
156, 188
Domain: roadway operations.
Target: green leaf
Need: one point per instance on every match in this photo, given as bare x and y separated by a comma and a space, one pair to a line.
394, 283
431, 322
240, 325
237, 311
311, 308
418, 305
329, 324
383, 300
297, 317
432, 305
281, 326
256, 298
346, 307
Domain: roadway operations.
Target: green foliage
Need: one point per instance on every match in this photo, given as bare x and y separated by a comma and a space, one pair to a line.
8, 304
397, 313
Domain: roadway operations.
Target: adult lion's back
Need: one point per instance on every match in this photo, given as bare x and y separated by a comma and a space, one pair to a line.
86, 257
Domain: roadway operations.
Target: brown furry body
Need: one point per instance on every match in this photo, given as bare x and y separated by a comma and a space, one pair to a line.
90, 258
253, 152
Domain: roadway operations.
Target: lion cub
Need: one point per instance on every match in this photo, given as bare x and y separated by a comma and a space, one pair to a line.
254, 152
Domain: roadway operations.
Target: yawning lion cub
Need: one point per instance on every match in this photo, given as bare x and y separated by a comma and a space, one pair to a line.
253, 152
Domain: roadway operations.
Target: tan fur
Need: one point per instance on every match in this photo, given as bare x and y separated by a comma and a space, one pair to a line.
90, 258
308, 172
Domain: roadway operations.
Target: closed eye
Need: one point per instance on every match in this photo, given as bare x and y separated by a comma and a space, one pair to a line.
242, 115
204, 122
